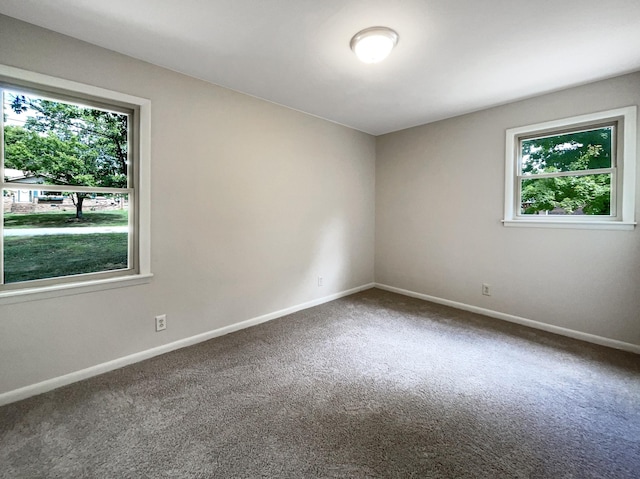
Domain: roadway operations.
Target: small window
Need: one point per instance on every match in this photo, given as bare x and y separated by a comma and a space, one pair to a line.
577, 172
73, 171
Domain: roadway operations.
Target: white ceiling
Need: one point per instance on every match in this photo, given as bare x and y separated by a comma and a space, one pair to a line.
453, 57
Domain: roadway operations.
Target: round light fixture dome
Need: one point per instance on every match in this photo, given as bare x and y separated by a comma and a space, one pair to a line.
372, 45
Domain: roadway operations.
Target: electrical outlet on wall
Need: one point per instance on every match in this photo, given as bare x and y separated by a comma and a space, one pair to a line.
161, 322
486, 289
320, 281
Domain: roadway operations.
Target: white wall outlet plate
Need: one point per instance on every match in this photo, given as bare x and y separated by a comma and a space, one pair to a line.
161, 322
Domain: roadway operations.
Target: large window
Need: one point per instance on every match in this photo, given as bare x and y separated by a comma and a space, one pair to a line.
74, 179
576, 172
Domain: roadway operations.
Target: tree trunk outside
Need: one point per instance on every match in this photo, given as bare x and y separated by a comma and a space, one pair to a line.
79, 200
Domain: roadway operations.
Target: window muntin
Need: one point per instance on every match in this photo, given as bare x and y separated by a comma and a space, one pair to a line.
577, 172
87, 229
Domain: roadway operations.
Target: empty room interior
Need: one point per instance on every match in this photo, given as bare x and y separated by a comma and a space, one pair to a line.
238, 243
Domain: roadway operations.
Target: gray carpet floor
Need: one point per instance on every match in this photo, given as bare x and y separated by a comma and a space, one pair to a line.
371, 385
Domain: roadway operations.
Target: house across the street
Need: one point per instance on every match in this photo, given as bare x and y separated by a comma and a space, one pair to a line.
26, 195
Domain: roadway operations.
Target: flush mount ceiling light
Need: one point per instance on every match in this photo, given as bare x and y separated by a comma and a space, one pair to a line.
372, 45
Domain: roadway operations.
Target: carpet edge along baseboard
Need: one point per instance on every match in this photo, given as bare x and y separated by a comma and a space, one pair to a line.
550, 328
101, 368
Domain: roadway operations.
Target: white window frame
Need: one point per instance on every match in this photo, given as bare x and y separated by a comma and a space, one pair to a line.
140, 227
623, 172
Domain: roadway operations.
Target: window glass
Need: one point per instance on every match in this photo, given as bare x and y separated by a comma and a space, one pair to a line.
567, 195
51, 242
573, 151
61, 143
555, 173
67, 189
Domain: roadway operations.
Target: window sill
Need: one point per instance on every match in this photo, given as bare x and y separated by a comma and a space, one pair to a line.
68, 289
585, 225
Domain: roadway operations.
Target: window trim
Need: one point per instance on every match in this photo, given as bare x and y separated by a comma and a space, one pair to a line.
142, 142
623, 175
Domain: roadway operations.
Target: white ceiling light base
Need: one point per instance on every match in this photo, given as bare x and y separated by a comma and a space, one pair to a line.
372, 45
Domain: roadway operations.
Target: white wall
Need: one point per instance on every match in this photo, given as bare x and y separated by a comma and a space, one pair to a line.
250, 203
439, 202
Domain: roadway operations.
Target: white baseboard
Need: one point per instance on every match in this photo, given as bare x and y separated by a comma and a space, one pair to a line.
590, 338
54, 383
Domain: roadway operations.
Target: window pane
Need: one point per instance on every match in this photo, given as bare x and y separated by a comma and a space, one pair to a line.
58, 143
577, 151
55, 237
567, 195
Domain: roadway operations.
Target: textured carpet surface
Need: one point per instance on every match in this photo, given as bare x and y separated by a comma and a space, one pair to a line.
372, 385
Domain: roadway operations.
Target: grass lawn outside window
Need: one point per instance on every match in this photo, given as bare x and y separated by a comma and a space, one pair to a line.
49, 255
